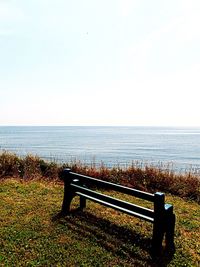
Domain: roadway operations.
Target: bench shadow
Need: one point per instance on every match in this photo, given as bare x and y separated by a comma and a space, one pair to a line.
118, 240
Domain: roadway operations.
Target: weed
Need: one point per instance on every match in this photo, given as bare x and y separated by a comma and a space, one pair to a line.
145, 178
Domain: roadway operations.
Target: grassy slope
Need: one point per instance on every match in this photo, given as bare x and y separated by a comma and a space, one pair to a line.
31, 235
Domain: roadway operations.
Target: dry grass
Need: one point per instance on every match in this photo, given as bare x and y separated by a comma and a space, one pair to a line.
144, 178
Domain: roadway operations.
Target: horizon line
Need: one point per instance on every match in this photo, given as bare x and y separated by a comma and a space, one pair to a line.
100, 125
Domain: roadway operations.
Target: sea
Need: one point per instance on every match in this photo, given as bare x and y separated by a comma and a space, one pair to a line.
171, 148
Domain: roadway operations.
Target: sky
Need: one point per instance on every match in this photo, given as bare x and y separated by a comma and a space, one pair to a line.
86, 62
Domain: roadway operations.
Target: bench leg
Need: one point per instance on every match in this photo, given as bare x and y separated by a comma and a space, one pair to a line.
68, 191
170, 228
158, 235
82, 203
68, 196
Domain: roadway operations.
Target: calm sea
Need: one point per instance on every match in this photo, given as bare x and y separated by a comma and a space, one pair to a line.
178, 148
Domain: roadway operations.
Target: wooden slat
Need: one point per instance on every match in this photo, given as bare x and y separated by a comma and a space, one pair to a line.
113, 201
116, 187
132, 213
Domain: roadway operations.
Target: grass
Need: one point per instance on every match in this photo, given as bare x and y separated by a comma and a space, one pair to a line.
32, 233
144, 178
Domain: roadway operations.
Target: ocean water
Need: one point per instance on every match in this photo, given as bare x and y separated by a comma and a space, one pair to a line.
167, 147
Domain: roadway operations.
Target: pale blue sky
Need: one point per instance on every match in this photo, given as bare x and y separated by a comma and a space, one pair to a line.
116, 62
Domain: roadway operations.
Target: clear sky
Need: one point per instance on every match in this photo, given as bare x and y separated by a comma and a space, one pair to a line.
108, 62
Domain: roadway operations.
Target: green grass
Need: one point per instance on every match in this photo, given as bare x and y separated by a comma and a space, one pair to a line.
31, 233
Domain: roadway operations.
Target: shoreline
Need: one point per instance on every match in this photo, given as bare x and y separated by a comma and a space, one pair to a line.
153, 146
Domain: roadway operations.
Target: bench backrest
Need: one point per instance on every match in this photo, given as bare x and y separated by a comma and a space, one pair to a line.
161, 215
79, 183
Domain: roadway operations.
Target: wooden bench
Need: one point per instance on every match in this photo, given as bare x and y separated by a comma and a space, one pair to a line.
161, 216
